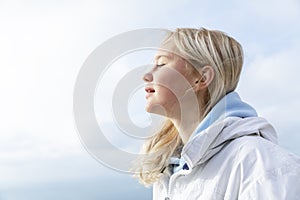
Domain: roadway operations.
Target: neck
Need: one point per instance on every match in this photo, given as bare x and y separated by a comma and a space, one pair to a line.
185, 129
186, 119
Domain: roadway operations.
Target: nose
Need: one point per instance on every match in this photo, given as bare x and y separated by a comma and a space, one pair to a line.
148, 77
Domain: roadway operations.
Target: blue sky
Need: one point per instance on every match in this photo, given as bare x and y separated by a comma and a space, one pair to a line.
43, 45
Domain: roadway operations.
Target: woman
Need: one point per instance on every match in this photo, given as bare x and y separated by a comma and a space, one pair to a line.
212, 145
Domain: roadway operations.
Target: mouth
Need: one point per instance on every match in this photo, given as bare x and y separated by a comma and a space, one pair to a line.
150, 90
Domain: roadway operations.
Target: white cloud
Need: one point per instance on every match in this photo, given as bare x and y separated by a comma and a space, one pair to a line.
273, 75
42, 49
274, 11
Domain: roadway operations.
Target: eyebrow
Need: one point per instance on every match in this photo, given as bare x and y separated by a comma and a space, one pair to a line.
162, 55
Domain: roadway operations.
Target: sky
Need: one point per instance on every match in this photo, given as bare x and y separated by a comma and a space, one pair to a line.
43, 45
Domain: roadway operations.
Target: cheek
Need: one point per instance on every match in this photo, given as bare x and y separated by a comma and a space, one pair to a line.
171, 80
166, 98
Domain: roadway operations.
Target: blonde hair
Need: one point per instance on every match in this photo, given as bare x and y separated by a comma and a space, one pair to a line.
199, 47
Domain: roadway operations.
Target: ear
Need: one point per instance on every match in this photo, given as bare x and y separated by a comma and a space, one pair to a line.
207, 74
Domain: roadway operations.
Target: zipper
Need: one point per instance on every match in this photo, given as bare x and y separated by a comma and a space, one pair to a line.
169, 185
172, 177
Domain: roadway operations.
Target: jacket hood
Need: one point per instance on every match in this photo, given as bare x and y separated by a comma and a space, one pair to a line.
231, 105
205, 144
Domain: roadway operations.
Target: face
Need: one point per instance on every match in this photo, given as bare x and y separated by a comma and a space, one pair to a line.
167, 82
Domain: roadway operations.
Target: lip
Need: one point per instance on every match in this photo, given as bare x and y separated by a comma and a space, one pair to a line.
150, 91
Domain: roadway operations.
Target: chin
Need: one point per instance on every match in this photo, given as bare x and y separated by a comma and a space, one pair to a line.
156, 109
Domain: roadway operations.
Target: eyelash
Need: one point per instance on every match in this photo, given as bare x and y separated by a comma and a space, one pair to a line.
160, 65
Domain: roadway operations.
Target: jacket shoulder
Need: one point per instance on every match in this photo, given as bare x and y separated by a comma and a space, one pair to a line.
257, 150
266, 169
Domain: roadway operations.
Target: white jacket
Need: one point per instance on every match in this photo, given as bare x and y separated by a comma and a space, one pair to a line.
237, 158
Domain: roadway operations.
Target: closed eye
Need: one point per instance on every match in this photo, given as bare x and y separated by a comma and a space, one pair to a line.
160, 65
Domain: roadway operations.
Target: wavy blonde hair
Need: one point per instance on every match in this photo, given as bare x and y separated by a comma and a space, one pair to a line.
199, 47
